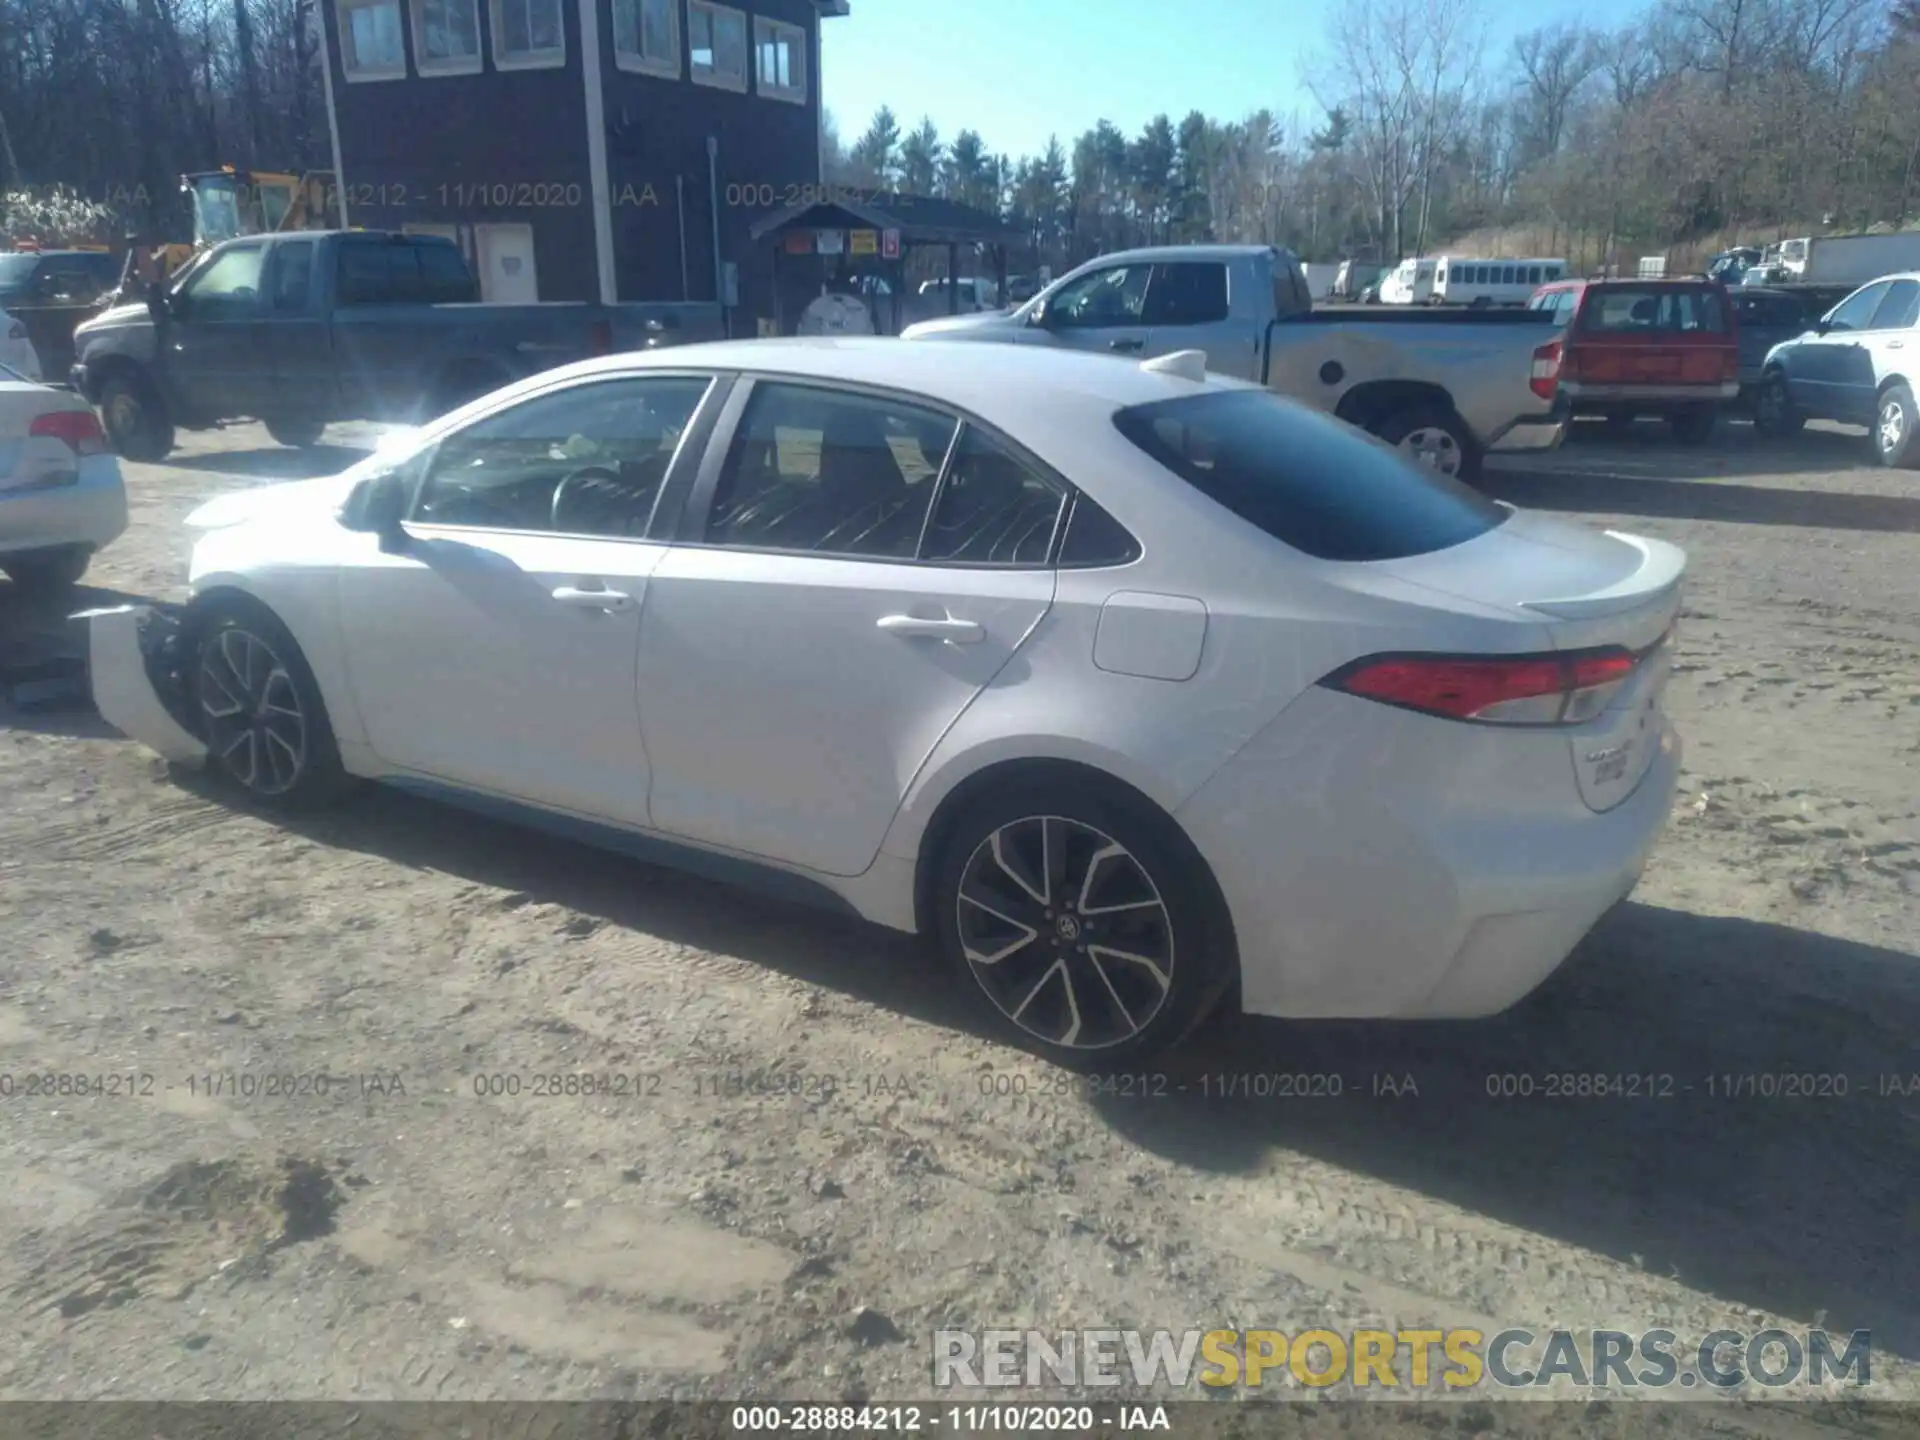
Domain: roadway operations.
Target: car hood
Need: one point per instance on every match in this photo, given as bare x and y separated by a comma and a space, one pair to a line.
118, 315
961, 327
298, 499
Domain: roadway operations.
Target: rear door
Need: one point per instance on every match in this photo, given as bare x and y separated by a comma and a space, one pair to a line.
1886, 347
1823, 370
854, 569
1654, 336
1189, 308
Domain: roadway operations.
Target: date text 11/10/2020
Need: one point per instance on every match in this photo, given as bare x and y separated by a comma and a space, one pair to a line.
496, 195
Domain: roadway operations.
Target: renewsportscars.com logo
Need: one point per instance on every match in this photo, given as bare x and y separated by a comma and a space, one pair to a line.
1398, 1360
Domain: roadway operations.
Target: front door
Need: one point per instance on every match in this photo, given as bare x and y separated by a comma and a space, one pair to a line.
1882, 351
215, 364
1819, 366
497, 651
507, 274
295, 338
1187, 309
1103, 310
797, 667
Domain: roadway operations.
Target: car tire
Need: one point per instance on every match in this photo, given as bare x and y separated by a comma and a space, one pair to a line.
259, 709
46, 572
1696, 426
1061, 995
1894, 424
297, 434
135, 419
1433, 436
1773, 409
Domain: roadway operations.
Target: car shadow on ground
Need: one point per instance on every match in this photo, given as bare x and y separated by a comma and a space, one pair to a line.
1712, 1173
1649, 450
1681, 499
274, 462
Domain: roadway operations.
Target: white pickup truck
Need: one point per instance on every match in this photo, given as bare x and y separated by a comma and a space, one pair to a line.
1445, 385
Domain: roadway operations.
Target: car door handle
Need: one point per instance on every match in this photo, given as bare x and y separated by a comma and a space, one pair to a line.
608, 600
1126, 345
960, 632
1896, 344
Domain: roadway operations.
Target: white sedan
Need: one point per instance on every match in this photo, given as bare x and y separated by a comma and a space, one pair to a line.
61, 496
1132, 686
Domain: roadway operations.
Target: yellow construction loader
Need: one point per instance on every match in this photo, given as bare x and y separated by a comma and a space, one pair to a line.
229, 202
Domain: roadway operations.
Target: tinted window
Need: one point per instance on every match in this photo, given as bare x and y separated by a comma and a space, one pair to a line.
1095, 538
1626, 310
1533, 275
292, 276
829, 472
228, 287
444, 274
1857, 309
1506, 275
363, 275
1114, 296
1307, 480
588, 460
994, 508
1187, 294
1898, 310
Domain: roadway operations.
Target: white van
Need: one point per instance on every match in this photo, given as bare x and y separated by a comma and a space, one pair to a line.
1468, 280
1410, 283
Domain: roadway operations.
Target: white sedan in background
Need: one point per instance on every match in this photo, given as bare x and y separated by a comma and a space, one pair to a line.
1132, 686
61, 496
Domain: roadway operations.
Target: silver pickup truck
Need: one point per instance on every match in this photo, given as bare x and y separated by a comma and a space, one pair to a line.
1447, 386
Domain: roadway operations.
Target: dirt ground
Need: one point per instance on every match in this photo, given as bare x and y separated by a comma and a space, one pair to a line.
717, 1230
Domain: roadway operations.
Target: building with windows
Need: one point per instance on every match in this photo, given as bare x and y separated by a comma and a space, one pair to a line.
581, 149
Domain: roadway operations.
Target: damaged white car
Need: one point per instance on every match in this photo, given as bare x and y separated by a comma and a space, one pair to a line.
1134, 686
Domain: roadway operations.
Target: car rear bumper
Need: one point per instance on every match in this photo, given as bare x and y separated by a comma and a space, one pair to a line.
1376, 867
1585, 393
130, 655
1535, 432
91, 510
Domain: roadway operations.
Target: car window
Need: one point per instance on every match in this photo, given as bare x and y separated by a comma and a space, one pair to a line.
1898, 310
1857, 309
1309, 481
444, 274
1113, 296
1630, 310
292, 277
1188, 293
425, 272
229, 286
587, 460
1095, 538
994, 508
829, 472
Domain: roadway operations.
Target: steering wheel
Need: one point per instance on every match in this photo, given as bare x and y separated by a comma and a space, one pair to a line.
586, 472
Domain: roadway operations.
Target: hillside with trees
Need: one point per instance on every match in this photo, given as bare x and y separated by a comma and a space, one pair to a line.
1705, 119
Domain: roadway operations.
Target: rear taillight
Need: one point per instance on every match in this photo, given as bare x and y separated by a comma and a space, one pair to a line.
78, 428
600, 338
1506, 690
1546, 369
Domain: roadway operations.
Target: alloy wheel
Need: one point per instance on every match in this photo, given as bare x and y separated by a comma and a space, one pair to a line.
1433, 447
1066, 932
256, 727
1893, 426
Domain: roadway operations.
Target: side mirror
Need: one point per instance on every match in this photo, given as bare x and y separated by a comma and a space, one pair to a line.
377, 506
157, 305
1822, 326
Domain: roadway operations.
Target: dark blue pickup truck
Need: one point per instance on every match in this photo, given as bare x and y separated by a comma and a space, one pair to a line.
302, 329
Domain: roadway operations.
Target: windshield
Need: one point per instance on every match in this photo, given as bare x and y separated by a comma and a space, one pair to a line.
216, 211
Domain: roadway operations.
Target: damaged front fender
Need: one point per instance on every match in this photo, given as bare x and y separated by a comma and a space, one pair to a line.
137, 663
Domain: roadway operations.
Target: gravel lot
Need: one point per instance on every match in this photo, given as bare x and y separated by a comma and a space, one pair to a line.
714, 1232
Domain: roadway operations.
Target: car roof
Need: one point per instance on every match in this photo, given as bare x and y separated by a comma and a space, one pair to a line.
968, 375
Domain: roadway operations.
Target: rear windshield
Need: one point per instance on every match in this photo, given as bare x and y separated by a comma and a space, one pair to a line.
1627, 310
1308, 480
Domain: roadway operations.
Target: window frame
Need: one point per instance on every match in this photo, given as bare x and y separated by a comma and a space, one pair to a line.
766, 30
350, 66
1873, 320
553, 57
1884, 286
712, 76
687, 529
1161, 267
270, 277
689, 451
638, 62
1088, 280
428, 68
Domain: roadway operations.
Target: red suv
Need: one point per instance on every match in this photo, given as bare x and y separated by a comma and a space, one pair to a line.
1647, 347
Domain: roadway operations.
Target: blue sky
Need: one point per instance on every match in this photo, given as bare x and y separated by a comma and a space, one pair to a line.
1019, 70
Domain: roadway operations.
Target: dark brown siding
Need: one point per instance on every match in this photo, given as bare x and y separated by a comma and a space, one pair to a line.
505, 145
